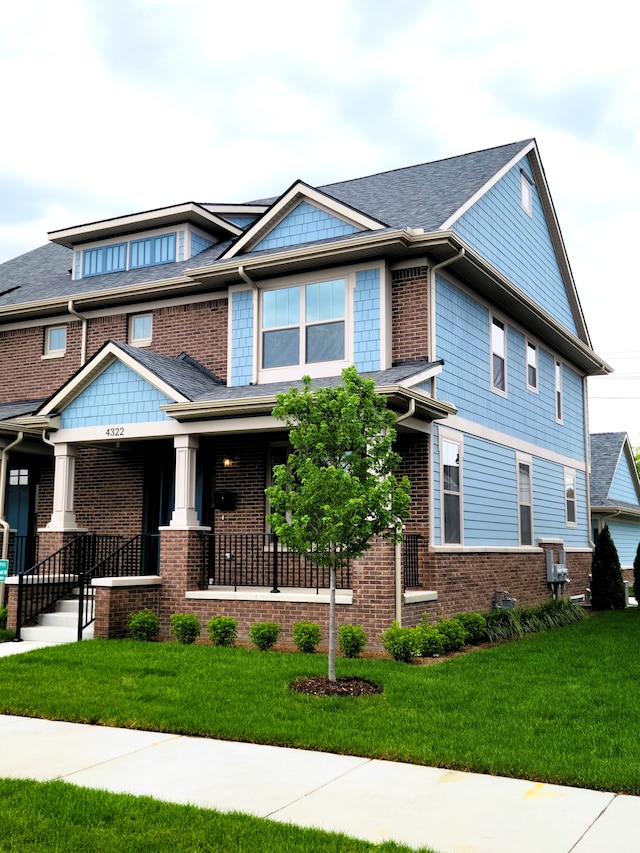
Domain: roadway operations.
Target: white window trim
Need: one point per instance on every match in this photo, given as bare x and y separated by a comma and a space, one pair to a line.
320, 368
452, 438
140, 342
527, 344
558, 389
526, 194
570, 472
524, 459
494, 318
48, 351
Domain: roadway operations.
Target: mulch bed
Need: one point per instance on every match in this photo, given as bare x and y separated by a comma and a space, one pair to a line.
343, 686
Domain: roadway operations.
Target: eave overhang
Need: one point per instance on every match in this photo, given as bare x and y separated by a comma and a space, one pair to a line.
616, 511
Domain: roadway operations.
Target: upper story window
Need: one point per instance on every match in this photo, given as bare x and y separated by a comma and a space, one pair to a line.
451, 492
532, 366
104, 259
140, 329
570, 496
498, 356
55, 341
526, 194
525, 501
303, 324
558, 388
152, 250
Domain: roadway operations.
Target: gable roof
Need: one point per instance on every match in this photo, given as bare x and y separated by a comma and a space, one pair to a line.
608, 450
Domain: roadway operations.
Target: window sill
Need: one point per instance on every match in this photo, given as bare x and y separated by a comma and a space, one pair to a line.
49, 355
414, 596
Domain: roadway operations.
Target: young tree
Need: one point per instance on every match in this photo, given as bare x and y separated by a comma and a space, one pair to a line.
337, 489
607, 587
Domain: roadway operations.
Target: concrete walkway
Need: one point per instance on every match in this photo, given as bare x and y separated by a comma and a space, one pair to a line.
375, 800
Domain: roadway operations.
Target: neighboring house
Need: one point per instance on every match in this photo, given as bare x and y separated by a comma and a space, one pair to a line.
615, 494
150, 349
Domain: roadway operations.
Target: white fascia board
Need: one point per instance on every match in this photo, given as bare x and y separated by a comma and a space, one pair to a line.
92, 369
299, 192
231, 209
423, 376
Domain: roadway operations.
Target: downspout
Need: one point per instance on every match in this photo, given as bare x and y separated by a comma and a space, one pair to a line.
398, 545
587, 449
256, 340
432, 309
83, 320
4, 458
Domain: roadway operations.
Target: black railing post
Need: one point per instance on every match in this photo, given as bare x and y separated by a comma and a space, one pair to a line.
18, 638
275, 564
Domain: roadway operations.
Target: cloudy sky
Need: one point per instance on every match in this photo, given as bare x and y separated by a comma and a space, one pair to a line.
113, 107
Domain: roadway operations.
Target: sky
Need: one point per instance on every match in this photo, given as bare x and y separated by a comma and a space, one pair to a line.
114, 107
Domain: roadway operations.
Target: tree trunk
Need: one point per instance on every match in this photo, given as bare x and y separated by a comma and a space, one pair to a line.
332, 624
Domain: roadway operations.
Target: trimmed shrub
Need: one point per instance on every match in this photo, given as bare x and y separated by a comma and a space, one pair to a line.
3, 617
403, 644
222, 630
144, 625
185, 627
636, 575
351, 640
607, 587
264, 635
432, 642
453, 634
475, 625
306, 636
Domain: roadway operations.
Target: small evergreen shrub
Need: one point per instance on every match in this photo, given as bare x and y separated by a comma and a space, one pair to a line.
475, 625
607, 587
222, 630
264, 635
185, 627
3, 617
403, 644
351, 640
144, 625
636, 574
453, 633
432, 642
306, 636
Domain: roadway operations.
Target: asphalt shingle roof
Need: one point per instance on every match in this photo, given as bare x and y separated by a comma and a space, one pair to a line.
606, 449
18, 408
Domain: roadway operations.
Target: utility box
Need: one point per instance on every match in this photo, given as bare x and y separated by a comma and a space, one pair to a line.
557, 572
503, 601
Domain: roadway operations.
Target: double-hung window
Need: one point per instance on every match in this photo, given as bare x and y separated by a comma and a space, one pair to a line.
55, 341
140, 329
558, 389
570, 496
525, 501
303, 324
498, 356
532, 366
451, 492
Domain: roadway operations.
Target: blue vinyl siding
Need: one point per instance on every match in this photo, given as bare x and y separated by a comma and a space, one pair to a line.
366, 318
199, 244
623, 485
152, 250
490, 497
242, 337
463, 341
104, 259
117, 396
517, 244
241, 220
305, 224
626, 536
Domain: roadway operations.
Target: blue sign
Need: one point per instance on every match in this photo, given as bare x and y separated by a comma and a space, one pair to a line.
4, 570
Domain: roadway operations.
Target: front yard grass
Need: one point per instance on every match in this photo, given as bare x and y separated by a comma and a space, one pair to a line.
560, 706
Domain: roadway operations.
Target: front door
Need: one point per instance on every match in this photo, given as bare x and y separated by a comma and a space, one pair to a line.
159, 496
19, 514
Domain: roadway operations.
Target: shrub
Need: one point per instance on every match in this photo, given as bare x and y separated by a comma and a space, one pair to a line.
403, 644
222, 630
432, 642
636, 574
144, 625
475, 625
453, 633
185, 627
306, 636
264, 634
607, 587
351, 640
502, 625
532, 620
3, 617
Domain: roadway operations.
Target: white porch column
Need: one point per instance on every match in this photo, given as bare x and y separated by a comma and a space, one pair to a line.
184, 515
63, 517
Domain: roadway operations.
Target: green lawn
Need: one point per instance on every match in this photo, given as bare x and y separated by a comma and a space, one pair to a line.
54, 817
560, 706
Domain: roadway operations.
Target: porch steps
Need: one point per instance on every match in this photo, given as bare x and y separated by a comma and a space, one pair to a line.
61, 626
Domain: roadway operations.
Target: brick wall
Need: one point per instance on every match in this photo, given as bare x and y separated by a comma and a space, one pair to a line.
410, 314
114, 604
39, 376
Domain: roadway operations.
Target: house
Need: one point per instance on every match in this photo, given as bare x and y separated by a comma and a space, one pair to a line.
615, 495
142, 355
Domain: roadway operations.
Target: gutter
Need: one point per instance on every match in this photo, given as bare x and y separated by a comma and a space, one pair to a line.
83, 320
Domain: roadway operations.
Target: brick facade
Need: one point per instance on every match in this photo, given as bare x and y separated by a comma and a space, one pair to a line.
410, 314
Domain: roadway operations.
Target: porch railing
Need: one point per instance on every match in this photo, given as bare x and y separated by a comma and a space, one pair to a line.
410, 559
138, 556
56, 576
256, 559
23, 552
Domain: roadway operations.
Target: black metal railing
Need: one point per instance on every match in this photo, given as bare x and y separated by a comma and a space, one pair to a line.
410, 559
256, 559
138, 556
56, 576
23, 553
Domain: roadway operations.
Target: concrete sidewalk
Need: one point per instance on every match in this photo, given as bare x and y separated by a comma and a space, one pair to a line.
375, 800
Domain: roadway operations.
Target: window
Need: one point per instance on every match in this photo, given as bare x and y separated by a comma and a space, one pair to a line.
451, 492
532, 366
498, 356
558, 386
55, 341
304, 324
570, 496
153, 250
104, 259
19, 477
525, 502
526, 194
140, 327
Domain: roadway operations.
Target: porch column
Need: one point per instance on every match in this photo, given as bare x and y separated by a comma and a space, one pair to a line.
63, 517
184, 515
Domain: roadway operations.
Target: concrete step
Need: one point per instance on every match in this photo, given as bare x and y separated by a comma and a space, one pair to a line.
60, 626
